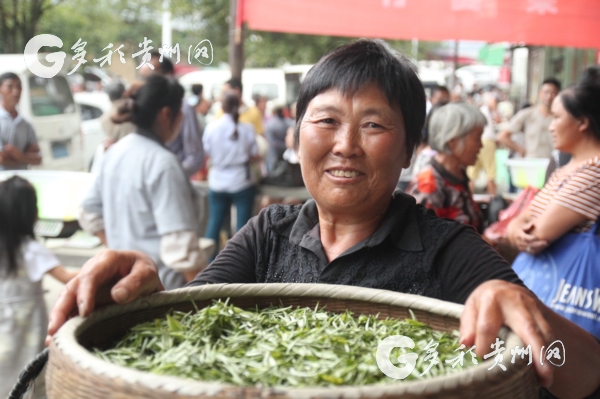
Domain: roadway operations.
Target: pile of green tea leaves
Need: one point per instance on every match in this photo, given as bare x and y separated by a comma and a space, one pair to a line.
277, 347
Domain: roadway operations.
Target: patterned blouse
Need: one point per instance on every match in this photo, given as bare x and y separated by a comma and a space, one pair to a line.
446, 194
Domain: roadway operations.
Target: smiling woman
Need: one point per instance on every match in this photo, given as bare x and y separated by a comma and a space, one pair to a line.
360, 113
355, 149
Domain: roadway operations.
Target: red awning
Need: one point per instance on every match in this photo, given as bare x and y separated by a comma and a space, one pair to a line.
573, 23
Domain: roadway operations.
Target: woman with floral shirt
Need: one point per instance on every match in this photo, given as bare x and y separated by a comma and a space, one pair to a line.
455, 133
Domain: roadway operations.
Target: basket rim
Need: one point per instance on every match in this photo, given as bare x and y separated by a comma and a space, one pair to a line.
65, 341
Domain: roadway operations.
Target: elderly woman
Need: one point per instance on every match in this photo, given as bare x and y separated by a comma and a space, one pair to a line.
360, 113
455, 132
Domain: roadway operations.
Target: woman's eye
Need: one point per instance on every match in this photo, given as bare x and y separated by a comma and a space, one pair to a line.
373, 125
328, 121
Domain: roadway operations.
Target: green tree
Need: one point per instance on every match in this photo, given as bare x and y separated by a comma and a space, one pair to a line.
19, 21
100, 22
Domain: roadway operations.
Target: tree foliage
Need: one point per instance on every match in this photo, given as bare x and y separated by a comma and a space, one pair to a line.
19, 20
127, 22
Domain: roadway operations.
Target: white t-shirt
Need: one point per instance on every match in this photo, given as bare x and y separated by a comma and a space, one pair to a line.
37, 259
23, 319
34, 261
142, 193
229, 158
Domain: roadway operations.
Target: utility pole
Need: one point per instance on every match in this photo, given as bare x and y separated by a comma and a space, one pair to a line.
454, 66
236, 38
166, 24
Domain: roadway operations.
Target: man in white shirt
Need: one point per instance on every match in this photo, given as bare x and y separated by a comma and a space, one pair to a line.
534, 123
18, 142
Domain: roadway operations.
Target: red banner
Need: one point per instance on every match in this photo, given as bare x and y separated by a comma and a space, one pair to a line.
573, 23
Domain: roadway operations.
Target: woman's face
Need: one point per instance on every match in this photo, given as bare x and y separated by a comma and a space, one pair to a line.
352, 149
465, 149
566, 130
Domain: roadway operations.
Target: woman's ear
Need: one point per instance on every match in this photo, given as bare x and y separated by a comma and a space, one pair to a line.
452, 144
164, 114
585, 124
408, 159
162, 123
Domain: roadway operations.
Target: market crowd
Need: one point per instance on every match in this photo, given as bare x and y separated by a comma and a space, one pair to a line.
392, 171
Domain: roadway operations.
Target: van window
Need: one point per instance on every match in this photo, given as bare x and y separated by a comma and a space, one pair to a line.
50, 96
89, 112
269, 90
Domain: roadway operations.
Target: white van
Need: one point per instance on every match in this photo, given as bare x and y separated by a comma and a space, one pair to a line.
279, 85
48, 104
268, 82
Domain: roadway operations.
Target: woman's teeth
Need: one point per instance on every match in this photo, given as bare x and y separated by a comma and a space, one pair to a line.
343, 173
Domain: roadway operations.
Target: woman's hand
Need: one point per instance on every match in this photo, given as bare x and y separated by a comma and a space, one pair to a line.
110, 276
519, 233
496, 303
527, 242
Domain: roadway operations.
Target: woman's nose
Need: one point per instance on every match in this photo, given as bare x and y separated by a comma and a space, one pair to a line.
347, 141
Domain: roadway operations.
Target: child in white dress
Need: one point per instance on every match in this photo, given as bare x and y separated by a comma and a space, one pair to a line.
23, 263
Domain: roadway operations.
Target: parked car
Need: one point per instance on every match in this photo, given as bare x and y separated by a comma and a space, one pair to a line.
48, 104
92, 105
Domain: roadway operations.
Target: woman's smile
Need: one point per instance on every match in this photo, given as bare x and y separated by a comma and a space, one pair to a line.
344, 174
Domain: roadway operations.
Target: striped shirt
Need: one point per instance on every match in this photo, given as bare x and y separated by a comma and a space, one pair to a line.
577, 190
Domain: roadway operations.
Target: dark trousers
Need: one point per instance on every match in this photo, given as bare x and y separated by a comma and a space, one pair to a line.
219, 205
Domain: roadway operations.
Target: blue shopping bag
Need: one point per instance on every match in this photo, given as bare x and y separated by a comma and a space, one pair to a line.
566, 277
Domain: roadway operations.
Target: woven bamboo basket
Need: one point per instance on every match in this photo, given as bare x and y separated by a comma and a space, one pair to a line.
75, 373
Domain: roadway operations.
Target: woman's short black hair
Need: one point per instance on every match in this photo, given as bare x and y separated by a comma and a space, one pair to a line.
364, 62
583, 99
18, 214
